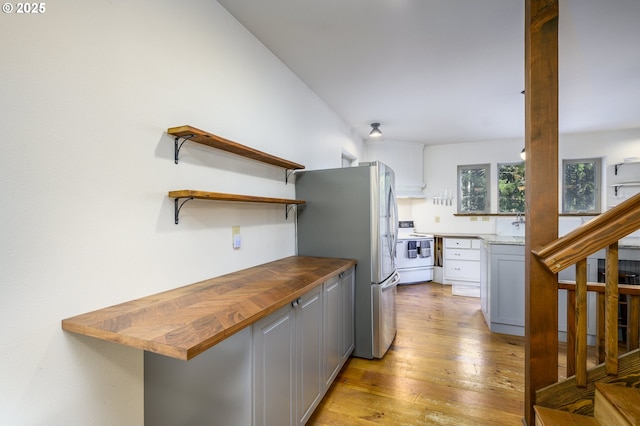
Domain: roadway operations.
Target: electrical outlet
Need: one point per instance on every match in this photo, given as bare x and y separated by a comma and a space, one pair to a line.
235, 234
485, 218
437, 219
473, 219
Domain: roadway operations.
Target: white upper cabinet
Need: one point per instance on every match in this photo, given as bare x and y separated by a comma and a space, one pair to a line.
406, 160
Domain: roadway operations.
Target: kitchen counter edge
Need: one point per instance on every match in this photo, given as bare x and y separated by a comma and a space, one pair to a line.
625, 243
186, 321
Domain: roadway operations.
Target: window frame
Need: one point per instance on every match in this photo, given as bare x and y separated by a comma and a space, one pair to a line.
597, 193
510, 163
487, 188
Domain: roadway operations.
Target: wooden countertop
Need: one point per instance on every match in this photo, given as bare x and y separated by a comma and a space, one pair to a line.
186, 321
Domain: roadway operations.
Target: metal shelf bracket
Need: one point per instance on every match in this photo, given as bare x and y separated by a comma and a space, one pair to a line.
176, 149
287, 174
289, 207
617, 166
177, 206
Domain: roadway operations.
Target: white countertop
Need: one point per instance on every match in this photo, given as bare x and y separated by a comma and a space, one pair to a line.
625, 243
502, 239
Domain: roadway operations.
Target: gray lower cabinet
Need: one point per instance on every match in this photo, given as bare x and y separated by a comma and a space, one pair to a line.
348, 285
288, 361
339, 326
299, 350
484, 282
274, 368
274, 372
506, 289
213, 388
332, 337
308, 343
502, 291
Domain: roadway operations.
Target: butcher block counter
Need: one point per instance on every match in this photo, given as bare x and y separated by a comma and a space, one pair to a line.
186, 321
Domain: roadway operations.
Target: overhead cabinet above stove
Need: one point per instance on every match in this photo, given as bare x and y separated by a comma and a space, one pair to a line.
406, 159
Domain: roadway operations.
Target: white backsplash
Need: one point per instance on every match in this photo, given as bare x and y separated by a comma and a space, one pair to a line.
568, 224
510, 226
507, 226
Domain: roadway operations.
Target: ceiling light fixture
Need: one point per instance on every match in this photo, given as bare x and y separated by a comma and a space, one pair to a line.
375, 130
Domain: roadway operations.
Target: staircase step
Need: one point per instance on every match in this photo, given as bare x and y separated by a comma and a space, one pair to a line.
550, 417
617, 404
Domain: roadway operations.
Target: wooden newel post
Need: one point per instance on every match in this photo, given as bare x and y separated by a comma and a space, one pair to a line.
541, 145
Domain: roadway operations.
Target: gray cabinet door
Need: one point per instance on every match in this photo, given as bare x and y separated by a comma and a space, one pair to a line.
347, 282
274, 368
507, 290
332, 341
485, 296
310, 384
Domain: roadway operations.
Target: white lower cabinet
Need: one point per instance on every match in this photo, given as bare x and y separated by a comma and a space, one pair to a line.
299, 349
462, 266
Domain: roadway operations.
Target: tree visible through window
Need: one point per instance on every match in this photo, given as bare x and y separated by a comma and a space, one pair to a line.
473, 189
581, 185
511, 187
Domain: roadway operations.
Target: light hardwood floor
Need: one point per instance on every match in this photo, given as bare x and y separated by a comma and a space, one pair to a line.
444, 368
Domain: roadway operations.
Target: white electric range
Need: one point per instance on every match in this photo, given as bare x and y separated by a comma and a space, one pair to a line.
414, 254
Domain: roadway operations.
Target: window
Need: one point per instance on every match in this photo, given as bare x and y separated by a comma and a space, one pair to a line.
473, 189
511, 187
581, 185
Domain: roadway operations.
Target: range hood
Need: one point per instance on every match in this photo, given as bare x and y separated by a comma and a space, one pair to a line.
410, 191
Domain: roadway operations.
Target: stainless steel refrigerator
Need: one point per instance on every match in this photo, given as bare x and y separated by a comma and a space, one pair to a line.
352, 213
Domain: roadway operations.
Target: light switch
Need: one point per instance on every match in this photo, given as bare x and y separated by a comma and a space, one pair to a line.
235, 234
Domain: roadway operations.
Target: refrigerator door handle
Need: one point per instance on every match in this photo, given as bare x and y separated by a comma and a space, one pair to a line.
392, 282
393, 223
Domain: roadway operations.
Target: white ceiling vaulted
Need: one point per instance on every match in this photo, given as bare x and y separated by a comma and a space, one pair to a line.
447, 71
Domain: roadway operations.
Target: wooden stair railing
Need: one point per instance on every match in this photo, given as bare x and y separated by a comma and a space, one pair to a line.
600, 232
604, 231
632, 293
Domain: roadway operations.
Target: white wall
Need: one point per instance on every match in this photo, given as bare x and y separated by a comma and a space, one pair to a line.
88, 90
441, 161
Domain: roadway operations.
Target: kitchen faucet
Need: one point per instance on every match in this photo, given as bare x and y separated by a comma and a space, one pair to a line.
518, 221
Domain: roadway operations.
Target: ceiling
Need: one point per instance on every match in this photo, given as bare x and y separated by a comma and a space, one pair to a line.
448, 71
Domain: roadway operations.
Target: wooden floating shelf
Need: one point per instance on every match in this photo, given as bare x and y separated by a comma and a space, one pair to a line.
219, 196
618, 165
617, 186
214, 141
190, 194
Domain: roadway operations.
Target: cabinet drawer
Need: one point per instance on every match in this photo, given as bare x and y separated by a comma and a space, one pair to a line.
457, 243
455, 254
462, 270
